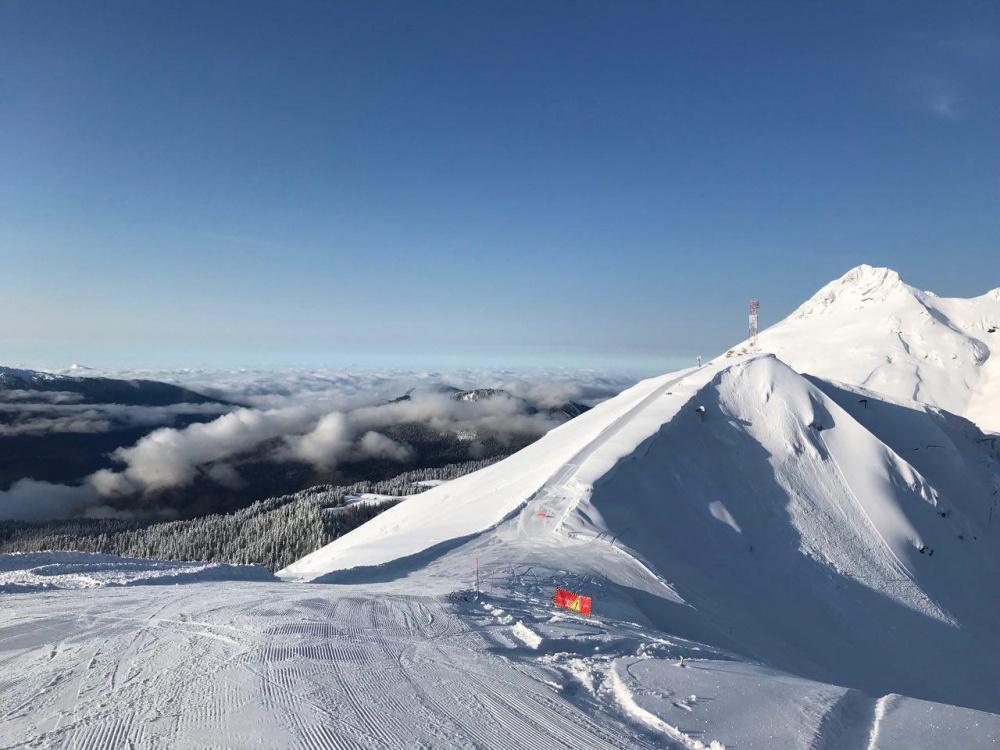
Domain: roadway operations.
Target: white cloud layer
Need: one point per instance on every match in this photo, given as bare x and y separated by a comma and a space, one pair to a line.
320, 418
44, 418
170, 457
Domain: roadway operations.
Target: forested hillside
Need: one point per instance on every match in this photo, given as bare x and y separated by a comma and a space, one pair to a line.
273, 532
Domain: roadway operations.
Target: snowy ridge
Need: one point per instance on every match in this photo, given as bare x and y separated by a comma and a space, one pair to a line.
481, 500
805, 494
12, 377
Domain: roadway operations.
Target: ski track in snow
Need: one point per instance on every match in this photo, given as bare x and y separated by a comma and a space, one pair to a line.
309, 667
628, 703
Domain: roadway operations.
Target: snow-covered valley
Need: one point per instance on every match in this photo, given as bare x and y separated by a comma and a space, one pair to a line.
793, 545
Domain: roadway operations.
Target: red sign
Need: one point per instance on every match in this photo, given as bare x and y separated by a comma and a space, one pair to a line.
573, 602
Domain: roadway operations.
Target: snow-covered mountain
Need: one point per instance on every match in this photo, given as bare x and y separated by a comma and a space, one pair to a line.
837, 526
791, 547
868, 328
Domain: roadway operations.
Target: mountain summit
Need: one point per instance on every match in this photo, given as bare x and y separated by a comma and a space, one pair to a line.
870, 329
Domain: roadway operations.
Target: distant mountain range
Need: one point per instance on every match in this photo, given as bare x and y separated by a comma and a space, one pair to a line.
60, 428
37, 387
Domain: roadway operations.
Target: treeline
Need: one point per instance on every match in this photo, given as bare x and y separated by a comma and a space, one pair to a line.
274, 532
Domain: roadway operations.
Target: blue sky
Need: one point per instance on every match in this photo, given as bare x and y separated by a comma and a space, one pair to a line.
472, 183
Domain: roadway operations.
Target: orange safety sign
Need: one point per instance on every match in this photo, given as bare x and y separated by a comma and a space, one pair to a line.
573, 602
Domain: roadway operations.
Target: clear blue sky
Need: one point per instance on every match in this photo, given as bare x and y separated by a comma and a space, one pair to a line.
519, 183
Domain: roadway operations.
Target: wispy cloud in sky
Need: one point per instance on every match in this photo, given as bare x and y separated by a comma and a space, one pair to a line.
940, 95
957, 70
975, 45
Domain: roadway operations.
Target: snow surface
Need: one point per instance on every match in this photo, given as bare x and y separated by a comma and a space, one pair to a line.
277, 665
793, 546
268, 665
36, 571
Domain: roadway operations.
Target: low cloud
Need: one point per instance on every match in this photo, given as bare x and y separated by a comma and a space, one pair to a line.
442, 412
318, 418
55, 417
325, 444
49, 397
554, 395
335, 439
327, 390
377, 445
170, 457
88, 422
30, 500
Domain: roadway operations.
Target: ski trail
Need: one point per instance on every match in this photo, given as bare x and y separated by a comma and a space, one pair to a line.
572, 467
626, 700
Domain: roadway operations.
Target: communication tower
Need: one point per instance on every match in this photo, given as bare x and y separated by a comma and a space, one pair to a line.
754, 304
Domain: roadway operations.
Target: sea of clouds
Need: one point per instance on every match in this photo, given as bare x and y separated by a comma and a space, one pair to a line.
316, 417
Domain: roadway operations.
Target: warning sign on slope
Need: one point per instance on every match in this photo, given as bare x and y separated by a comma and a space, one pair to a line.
574, 602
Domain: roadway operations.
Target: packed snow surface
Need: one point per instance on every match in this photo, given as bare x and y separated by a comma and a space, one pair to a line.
266, 665
35, 571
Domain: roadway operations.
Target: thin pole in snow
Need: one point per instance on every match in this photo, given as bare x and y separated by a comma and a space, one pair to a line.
477, 577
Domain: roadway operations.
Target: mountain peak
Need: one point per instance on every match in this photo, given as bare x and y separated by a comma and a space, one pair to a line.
859, 287
871, 276
870, 328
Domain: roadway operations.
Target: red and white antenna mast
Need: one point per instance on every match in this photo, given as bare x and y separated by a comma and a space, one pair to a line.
754, 304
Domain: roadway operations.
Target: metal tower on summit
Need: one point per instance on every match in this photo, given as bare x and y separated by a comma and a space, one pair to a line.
754, 304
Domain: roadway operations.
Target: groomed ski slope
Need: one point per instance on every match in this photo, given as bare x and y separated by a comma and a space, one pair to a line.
278, 666
265, 665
